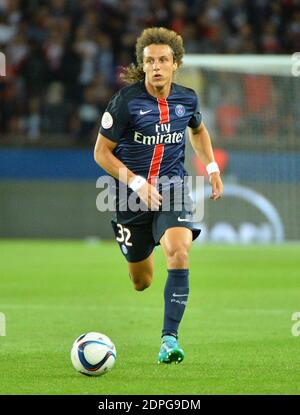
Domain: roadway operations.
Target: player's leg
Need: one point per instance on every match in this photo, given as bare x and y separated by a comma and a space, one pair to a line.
136, 243
176, 243
141, 273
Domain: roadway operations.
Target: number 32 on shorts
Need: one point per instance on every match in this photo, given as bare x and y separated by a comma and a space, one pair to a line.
124, 235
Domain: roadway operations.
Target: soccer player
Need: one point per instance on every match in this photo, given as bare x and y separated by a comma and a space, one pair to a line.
142, 134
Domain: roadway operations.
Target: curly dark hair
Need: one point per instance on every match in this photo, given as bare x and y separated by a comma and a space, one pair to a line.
152, 36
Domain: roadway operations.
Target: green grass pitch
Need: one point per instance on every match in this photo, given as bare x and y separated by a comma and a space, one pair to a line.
236, 330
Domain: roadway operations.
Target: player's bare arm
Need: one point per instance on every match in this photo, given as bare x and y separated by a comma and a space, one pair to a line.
104, 157
201, 143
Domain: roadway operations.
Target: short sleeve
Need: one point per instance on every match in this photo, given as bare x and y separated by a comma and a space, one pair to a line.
196, 118
115, 118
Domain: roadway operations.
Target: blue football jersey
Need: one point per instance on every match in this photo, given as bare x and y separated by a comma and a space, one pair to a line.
151, 132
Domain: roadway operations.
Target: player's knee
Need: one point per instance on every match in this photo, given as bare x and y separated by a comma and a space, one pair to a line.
178, 256
142, 284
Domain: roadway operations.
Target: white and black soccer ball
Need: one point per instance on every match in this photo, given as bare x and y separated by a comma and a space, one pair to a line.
93, 354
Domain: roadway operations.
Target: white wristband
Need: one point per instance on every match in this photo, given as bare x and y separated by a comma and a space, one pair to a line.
137, 183
212, 168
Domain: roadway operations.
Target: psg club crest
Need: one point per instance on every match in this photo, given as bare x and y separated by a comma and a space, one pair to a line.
179, 110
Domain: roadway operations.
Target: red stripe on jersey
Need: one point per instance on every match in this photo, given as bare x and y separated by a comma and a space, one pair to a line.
155, 163
163, 110
159, 148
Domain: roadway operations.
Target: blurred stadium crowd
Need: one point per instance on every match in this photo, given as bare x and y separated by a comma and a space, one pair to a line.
63, 57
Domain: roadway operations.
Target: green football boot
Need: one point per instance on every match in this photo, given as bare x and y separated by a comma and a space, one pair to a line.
170, 351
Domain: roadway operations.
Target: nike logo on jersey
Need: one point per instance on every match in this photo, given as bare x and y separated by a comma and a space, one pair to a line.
144, 112
180, 295
182, 219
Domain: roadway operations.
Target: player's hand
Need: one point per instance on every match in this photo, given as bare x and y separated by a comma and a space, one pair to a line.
216, 185
150, 196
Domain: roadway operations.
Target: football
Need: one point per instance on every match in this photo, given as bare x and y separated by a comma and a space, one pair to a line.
93, 354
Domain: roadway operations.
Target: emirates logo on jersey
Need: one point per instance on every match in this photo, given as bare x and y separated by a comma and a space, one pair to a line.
169, 138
